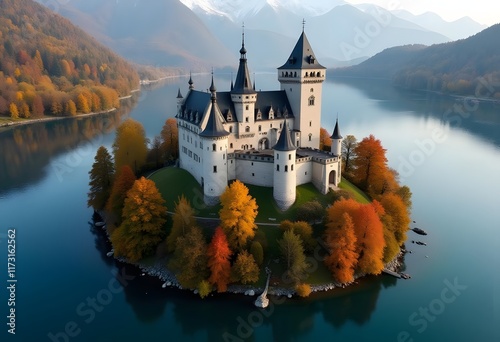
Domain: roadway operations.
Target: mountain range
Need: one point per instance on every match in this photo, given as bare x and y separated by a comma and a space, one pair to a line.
199, 34
465, 67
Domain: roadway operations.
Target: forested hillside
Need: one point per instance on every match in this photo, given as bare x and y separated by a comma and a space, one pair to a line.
465, 67
48, 66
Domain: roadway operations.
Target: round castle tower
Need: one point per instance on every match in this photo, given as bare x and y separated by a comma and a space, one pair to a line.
285, 179
215, 141
336, 147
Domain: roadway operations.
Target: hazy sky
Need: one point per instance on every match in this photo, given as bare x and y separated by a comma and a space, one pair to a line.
483, 11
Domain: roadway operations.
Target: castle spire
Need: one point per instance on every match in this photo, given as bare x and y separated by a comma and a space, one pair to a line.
212, 88
336, 131
190, 82
243, 84
285, 142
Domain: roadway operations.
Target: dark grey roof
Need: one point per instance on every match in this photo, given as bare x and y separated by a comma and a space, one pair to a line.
243, 85
179, 95
336, 131
214, 127
276, 99
302, 56
285, 142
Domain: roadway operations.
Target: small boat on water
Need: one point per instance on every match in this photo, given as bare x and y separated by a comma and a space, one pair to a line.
419, 231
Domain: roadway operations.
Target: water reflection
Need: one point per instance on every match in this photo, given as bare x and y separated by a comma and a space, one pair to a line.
28, 150
481, 118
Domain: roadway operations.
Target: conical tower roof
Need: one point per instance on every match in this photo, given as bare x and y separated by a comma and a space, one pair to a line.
336, 131
243, 84
214, 127
285, 142
302, 56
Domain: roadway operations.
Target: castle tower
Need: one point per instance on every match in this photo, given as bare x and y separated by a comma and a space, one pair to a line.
302, 78
285, 178
180, 100
214, 140
242, 93
336, 147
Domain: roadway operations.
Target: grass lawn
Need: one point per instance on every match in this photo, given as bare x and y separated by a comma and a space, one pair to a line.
359, 195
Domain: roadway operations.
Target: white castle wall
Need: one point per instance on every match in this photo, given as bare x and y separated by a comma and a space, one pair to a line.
304, 172
255, 172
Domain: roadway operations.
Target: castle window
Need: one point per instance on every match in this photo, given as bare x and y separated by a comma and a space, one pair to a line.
214, 147
305, 173
291, 167
260, 128
281, 125
252, 163
277, 168
295, 74
224, 156
215, 168
271, 126
247, 129
307, 74
231, 145
310, 137
289, 156
286, 168
253, 174
230, 129
277, 156
246, 107
247, 119
310, 123
312, 90
311, 101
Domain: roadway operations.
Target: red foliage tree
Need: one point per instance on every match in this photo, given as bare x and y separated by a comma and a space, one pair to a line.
218, 260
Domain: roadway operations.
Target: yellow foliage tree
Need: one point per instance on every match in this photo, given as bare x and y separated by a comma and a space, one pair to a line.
70, 108
130, 147
82, 104
237, 215
14, 113
183, 221
143, 218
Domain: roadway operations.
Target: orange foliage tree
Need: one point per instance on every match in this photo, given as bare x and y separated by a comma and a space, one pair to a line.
397, 216
324, 139
237, 215
341, 242
370, 163
130, 146
169, 135
123, 182
218, 260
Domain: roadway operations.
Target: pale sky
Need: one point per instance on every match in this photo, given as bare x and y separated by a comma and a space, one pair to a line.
483, 11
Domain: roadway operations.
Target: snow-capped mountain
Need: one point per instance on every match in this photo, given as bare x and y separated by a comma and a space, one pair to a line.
237, 10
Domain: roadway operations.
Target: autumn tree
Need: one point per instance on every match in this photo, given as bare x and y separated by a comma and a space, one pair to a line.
292, 250
169, 136
237, 215
219, 260
405, 193
82, 104
303, 229
189, 261
368, 230
125, 179
143, 219
101, 179
370, 162
183, 221
130, 145
70, 108
397, 216
303, 290
14, 113
348, 151
38, 108
340, 240
245, 268
325, 142
204, 288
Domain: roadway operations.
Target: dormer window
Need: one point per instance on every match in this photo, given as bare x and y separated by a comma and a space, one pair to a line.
259, 115
271, 113
311, 59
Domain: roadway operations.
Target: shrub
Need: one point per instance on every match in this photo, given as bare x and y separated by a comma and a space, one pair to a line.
310, 211
303, 290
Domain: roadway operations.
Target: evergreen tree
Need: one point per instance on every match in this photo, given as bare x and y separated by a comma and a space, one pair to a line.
183, 221
292, 251
101, 179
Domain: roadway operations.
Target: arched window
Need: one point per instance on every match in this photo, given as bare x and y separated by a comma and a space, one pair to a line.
295, 74
318, 74
291, 167
231, 145
247, 129
286, 168
214, 147
260, 128
312, 90
311, 101
230, 129
277, 168
307, 74
310, 137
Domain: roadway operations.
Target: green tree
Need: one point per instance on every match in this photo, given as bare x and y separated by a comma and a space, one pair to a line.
257, 252
142, 228
237, 215
189, 261
130, 145
183, 221
101, 179
292, 251
245, 268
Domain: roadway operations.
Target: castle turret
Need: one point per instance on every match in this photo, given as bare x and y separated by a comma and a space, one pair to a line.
242, 93
214, 140
336, 140
301, 77
284, 170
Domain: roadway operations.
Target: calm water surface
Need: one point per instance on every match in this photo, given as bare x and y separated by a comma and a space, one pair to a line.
447, 151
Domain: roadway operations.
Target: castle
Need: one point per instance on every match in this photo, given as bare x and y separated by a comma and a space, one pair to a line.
265, 138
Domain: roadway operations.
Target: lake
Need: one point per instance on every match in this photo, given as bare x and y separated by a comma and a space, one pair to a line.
446, 149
